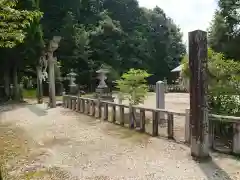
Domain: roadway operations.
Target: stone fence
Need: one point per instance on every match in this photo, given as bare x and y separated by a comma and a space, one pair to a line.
148, 120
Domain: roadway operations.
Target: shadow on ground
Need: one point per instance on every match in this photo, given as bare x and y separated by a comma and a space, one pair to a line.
37, 110
213, 171
11, 105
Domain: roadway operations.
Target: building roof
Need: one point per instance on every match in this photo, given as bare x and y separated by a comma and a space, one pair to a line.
178, 69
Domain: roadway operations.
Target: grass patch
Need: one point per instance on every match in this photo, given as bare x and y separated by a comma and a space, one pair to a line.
29, 93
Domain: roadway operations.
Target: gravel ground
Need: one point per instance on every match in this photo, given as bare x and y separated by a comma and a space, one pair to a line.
177, 102
69, 146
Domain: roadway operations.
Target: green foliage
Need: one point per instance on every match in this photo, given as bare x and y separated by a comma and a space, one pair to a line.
133, 85
29, 93
118, 33
185, 73
14, 23
224, 83
224, 32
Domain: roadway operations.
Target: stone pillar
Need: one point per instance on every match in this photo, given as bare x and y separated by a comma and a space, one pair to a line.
160, 98
198, 94
187, 127
236, 139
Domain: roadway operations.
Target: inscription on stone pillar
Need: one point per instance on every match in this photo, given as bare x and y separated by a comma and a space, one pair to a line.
198, 94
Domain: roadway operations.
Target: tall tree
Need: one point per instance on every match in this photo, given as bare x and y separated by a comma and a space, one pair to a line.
13, 30
224, 32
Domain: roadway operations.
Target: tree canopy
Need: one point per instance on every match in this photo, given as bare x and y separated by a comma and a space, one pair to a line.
224, 32
14, 23
118, 33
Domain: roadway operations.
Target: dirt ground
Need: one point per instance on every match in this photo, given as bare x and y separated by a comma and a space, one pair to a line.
39, 143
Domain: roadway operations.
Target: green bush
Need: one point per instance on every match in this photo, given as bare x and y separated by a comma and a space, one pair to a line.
223, 83
133, 86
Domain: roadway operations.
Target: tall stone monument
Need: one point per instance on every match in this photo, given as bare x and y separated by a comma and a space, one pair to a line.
198, 94
102, 90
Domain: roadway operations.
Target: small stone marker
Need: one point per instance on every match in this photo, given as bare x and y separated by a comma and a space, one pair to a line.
160, 98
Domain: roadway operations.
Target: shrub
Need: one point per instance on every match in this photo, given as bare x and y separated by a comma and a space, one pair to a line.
133, 85
223, 81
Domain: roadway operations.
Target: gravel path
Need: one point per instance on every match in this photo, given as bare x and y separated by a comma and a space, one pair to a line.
75, 146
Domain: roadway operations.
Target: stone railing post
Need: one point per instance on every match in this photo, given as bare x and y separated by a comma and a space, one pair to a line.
121, 109
142, 120
64, 101
105, 117
99, 109
170, 127
187, 127
78, 104
155, 117
236, 138
114, 113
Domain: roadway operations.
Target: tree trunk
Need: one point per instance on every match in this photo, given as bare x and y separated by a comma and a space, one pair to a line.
7, 83
16, 91
39, 86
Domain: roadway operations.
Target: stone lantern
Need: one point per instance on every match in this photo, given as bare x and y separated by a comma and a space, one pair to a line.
103, 91
102, 77
73, 86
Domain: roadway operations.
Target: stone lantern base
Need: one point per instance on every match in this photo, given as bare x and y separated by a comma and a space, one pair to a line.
104, 94
73, 89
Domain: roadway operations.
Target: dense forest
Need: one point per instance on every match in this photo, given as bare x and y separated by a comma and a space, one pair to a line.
117, 33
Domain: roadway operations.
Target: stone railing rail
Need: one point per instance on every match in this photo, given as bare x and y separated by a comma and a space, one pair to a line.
100, 109
231, 119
